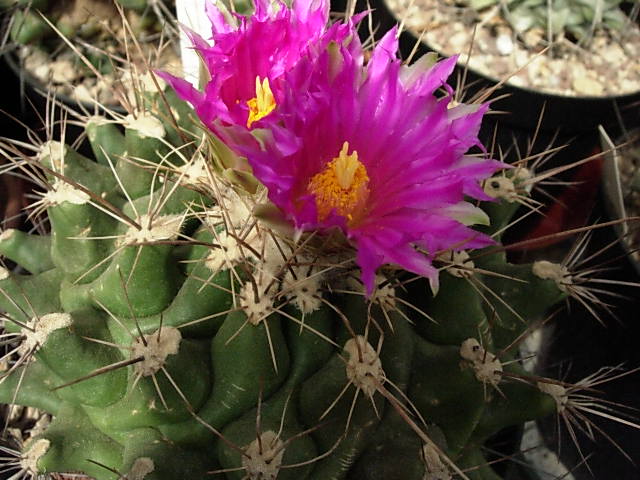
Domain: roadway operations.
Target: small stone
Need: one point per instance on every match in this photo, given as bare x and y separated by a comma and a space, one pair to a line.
614, 53
533, 37
82, 94
587, 86
458, 41
63, 71
554, 81
483, 45
518, 81
42, 72
504, 44
521, 58
629, 85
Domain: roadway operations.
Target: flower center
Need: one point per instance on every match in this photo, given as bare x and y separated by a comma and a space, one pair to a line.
262, 104
341, 185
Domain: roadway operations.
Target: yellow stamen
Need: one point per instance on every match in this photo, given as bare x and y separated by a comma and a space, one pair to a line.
263, 103
342, 185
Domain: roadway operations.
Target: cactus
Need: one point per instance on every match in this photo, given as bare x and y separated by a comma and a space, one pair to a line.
180, 321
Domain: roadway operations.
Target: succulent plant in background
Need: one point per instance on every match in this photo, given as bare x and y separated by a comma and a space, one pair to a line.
577, 19
591, 49
78, 45
292, 288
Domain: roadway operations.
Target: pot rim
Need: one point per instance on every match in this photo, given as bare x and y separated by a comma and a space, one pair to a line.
25, 77
613, 200
628, 96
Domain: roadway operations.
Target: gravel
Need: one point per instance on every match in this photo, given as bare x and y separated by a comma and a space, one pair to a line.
611, 66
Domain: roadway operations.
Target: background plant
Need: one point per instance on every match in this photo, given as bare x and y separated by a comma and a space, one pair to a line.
74, 44
573, 19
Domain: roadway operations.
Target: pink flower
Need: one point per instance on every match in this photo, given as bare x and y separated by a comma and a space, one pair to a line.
247, 59
371, 150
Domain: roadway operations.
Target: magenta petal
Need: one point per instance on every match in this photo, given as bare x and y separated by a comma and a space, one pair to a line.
384, 53
368, 261
266, 45
197, 41
184, 89
371, 255
219, 23
435, 77
411, 144
445, 232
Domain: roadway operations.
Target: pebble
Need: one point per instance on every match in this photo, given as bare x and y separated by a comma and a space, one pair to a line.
504, 44
533, 37
607, 69
587, 86
82, 94
63, 71
459, 40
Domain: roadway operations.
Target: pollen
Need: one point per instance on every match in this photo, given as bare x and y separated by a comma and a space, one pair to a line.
341, 186
262, 104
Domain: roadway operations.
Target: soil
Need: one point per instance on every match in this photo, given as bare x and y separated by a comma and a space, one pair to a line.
66, 77
609, 66
111, 51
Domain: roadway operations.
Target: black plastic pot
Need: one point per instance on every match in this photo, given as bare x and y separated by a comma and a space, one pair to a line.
12, 188
572, 120
613, 190
36, 91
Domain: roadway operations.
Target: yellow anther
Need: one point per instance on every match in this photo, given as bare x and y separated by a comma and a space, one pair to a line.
346, 166
263, 103
341, 185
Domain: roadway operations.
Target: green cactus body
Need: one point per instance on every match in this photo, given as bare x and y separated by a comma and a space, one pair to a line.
170, 333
